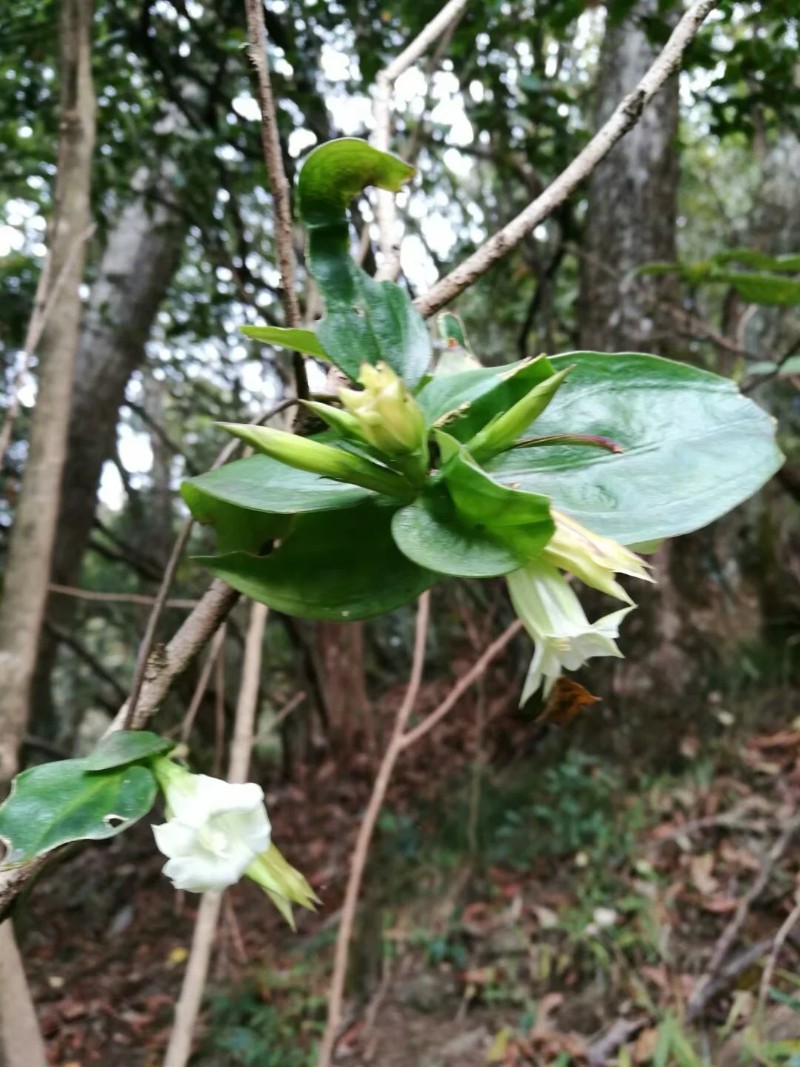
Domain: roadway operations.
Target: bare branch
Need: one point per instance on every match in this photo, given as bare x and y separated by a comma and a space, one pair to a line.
279, 183
462, 685
382, 108
336, 995
731, 932
194, 980
622, 120
117, 598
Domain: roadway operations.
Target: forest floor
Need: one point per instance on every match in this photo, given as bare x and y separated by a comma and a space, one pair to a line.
546, 912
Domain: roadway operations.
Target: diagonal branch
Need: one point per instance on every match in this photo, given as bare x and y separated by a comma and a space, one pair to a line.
624, 118
384, 84
278, 182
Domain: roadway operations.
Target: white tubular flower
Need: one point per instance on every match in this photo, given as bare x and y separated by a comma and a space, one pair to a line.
554, 618
215, 830
592, 558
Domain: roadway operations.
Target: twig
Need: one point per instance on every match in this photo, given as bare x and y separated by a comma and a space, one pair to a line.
167, 662
188, 1006
279, 183
728, 974
731, 931
461, 686
792, 919
364, 838
622, 120
384, 84
146, 647
618, 1034
143, 662
117, 598
213, 656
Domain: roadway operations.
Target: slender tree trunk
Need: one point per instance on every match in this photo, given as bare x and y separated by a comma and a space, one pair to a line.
32, 538
341, 657
632, 203
137, 267
631, 221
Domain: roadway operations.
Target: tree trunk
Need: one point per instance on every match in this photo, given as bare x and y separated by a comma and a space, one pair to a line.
631, 221
136, 269
341, 658
34, 532
632, 203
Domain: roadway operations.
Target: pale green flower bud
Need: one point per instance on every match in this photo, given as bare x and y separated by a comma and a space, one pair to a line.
322, 459
282, 883
502, 432
390, 418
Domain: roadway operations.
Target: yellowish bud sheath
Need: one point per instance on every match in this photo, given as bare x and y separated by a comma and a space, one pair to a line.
502, 432
593, 558
322, 459
390, 419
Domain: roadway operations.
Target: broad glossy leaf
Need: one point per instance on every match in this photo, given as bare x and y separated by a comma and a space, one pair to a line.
237, 528
431, 533
126, 746
340, 565
305, 341
365, 321
59, 802
263, 484
521, 520
694, 447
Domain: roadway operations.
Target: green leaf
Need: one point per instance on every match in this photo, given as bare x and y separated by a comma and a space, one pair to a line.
126, 746
319, 457
431, 533
476, 397
263, 484
305, 341
336, 172
759, 260
59, 802
761, 366
694, 447
766, 289
237, 528
340, 565
518, 519
790, 366
365, 321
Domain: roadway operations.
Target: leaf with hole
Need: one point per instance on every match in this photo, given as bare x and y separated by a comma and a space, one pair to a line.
64, 801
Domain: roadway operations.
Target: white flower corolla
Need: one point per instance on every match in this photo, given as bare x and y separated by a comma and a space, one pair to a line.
552, 614
592, 558
214, 829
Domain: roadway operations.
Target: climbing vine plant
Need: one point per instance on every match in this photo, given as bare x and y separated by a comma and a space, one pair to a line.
556, 467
